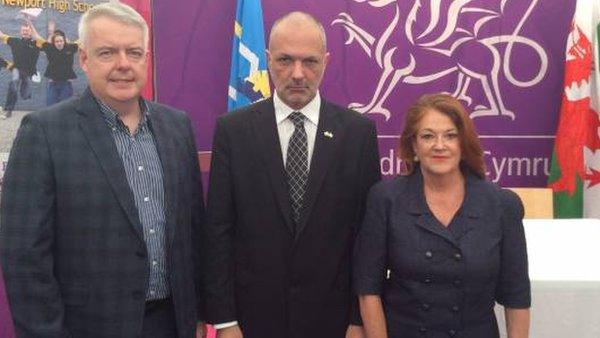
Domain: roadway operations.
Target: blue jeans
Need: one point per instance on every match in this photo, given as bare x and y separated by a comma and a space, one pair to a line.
19, 84
58, 91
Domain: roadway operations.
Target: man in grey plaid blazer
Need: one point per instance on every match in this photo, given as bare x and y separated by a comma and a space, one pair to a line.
102, 206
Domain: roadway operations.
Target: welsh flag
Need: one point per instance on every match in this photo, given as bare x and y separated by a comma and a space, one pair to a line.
575, 173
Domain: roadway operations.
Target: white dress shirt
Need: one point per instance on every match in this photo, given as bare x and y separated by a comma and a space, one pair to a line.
285, 129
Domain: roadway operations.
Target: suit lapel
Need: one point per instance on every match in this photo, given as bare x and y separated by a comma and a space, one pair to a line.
418, 207
328, 136
98, 136
167, 151
269, 149
427, 222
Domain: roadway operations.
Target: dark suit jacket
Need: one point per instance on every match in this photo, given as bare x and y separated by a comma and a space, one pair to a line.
72, 247
274, 283
443, 281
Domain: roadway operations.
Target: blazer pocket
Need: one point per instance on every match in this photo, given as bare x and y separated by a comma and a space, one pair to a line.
74, 294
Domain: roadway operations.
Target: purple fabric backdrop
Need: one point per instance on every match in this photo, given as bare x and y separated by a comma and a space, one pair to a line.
503, 59
6, 324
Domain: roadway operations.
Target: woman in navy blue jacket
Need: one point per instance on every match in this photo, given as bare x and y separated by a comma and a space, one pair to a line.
440, 245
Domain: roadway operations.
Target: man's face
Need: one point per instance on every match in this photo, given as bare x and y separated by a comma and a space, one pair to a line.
25, 32
114, 59
297, 60
59, 42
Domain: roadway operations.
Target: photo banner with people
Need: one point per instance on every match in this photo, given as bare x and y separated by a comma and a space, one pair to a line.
504, 60
39, 62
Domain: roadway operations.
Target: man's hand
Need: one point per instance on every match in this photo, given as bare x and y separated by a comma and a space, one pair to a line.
355, 331
201, 330
230, 332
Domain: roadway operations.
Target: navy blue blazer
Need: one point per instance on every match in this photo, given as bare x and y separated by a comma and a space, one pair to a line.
442, 282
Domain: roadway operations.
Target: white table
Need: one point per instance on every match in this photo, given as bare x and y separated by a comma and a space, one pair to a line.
564, 268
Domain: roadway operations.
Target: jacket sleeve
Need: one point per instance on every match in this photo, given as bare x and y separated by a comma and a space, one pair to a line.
27, 228
370, 174
220, 229
198, 221
513, 289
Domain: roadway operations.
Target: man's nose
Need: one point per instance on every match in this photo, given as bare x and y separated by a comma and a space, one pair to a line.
123, 60
298, 70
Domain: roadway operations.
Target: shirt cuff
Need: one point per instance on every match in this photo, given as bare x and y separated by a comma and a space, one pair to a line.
225, 325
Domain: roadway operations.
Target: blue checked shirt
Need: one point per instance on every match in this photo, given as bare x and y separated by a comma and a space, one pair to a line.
144, 174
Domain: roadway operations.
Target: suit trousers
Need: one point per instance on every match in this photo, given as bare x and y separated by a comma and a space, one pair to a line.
159, 320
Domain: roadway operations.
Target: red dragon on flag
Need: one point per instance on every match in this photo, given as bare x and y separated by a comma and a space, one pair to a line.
578, 124
575, 172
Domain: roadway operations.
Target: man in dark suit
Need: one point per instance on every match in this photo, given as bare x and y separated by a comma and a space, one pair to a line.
287, 189
101, 204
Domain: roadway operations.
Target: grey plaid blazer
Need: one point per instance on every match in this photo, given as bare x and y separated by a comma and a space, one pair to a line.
72, 248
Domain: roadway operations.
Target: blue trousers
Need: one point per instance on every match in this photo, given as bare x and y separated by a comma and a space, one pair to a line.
19, 84
58, 91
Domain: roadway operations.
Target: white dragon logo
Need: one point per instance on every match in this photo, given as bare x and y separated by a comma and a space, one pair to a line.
444, 36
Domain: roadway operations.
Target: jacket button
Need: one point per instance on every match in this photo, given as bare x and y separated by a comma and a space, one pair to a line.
457, 256
452, 333
457, 282
423, 329
137, 295
428, 254
425, 306
427, 280
455, 308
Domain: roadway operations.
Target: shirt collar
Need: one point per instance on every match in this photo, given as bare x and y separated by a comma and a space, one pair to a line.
111, 116
310, 111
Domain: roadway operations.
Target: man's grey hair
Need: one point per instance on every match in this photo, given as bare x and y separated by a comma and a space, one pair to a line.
299, 15
113, 10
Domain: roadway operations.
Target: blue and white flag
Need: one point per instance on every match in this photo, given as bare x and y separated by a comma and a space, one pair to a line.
248, 79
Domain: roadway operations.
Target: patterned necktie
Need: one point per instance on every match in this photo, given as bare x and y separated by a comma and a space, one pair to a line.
296, 164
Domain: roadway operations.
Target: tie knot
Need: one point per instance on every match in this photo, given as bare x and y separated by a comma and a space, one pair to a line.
297, 119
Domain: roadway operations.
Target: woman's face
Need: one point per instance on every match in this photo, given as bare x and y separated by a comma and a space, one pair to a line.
59, 42
437, 145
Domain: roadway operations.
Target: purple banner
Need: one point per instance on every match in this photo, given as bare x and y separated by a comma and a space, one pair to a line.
502, 59
6, 323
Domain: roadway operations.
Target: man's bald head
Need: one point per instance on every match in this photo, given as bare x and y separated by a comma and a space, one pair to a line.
297, 21
297, 57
